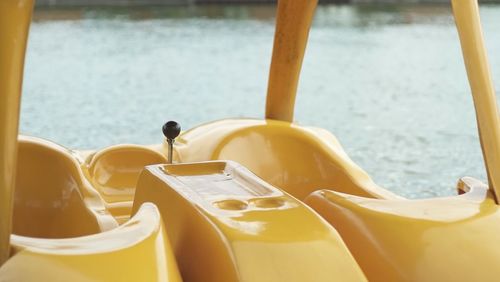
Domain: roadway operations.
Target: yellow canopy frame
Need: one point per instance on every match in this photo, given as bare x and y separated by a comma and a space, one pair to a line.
483, 93
293, 21
15, 18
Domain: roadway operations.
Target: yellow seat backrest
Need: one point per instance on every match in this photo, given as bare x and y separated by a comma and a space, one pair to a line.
114, 171
296, 159
52, 198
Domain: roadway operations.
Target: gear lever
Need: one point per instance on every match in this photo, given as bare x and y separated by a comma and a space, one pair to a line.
171, 130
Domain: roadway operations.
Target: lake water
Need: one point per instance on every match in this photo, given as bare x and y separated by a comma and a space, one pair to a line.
388, 81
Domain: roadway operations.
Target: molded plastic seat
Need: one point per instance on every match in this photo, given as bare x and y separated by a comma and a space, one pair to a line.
226, 224
294, 158
138, 250
114, 172
439, 239
52, 198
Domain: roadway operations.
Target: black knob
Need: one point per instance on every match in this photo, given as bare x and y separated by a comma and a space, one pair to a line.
171, 130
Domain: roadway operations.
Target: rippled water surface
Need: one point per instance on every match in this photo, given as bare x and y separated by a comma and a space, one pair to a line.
388, 81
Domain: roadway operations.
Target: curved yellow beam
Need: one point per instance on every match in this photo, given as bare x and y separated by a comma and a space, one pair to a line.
476, 62
293, 21
15, 17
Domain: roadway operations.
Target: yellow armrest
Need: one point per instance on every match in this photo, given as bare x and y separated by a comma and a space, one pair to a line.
138, 250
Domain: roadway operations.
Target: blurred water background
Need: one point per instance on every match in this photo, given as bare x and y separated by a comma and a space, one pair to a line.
387, 80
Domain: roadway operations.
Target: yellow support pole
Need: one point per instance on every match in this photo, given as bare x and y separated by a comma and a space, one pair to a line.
15, 18
293, 21
476, 62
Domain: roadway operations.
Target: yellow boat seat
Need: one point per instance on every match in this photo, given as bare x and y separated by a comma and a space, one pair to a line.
138, 250
226, 224
294, 158
52, 198
439, 239
114, 172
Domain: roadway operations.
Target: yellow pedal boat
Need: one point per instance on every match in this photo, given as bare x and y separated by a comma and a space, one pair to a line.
237, 199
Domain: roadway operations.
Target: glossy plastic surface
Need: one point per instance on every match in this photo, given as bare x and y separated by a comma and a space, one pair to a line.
15, 17
114, 172
294, 158
52, 197
139, 250
226, 224
440, 239
483, 92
